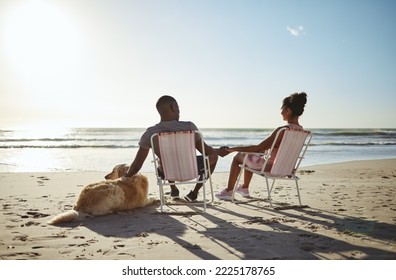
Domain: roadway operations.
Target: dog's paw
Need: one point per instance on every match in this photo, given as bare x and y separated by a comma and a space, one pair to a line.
152, 199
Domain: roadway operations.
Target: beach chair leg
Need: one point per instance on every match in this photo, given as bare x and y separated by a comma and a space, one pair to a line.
269, 190
298, 193
211, 191
161, 193
210, 181
204, 196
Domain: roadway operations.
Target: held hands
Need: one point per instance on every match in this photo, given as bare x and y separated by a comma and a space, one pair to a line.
223, 151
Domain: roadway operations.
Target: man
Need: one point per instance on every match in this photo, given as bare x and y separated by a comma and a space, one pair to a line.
168, 110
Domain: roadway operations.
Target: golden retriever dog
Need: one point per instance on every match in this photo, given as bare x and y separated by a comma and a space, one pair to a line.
115, 194
117, 172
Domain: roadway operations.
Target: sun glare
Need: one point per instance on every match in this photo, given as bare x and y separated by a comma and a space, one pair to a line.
34, 160
41, 41
40, 131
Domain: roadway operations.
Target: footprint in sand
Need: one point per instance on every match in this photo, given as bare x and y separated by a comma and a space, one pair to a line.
41, 180
39, 247
30, 223
27, 255
79, 237
35, 214
142, 234
22, 238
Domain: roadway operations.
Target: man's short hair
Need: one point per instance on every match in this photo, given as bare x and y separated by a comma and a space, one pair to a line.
164, 100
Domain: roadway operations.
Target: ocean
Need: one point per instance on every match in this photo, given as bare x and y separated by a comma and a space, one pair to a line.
100, 149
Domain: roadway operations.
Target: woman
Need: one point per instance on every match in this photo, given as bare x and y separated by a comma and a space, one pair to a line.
292, 108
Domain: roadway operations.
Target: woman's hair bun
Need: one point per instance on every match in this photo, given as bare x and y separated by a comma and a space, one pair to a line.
296, 102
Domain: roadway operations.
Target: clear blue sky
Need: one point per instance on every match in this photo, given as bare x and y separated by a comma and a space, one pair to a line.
228, 63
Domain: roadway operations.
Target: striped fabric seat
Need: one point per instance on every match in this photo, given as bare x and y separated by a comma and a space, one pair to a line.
178, 156
289, 155
175, 161
288, 152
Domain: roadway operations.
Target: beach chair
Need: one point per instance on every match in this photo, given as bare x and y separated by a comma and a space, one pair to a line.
175, 162
288, 158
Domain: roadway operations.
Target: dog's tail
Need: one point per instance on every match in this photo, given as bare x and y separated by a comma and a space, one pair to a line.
68, 216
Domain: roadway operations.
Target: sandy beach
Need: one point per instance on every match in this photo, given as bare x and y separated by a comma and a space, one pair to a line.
349, 213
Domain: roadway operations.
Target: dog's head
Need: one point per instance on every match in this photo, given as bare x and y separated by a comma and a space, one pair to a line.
118, 171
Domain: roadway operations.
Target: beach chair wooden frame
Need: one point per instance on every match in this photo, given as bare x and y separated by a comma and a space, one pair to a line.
290, 153
176, 154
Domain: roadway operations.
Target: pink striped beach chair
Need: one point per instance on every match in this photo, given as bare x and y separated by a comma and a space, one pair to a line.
286, 163
175, 162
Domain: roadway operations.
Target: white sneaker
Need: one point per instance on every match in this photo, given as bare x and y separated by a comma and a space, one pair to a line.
243, 191
224, 194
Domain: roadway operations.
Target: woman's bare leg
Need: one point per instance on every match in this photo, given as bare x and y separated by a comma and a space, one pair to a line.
234, 171
247, 178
